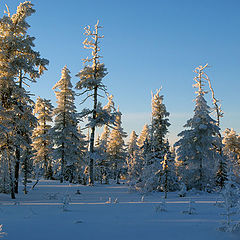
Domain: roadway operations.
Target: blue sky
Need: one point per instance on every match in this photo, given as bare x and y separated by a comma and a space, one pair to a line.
147, 44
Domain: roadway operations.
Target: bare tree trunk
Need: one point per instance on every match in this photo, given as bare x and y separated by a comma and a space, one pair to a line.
200, 176
17, 167
25, 170
166, 179
45, 164
91, 163
116, 172
62, 164
10, 175
17, 151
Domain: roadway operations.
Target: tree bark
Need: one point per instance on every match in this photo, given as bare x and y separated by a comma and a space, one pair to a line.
10, 176
91, 162
17, 167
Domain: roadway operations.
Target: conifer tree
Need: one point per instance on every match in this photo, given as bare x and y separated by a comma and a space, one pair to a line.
24, 64
134, 162
231, 143
65, 133
104, 158
144, 148
231, 148
165, 173
132, 144
81, 160
195, 150
91, 83
42, 142
143, 136
115, 148
28, 66
230, 194
160, 124
157, 146
168, 177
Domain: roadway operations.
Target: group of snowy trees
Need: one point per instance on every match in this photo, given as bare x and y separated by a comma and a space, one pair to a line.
200, 159
38, 140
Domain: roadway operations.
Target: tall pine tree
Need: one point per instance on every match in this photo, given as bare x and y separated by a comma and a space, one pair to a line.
134, 162
116, 148
156, 147
91, 83
24, 64
65, 132
195, 149
42, 139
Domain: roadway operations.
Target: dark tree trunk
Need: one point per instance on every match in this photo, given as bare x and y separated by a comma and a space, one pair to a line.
91, 162
17, 167
11, 177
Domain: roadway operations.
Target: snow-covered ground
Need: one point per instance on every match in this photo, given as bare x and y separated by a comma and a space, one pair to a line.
40, 215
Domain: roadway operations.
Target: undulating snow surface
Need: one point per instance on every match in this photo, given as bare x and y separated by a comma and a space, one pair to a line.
41, 214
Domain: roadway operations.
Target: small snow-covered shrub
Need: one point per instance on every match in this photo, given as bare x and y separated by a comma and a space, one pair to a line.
191, 210
66, 202
183, 190
161, 207
230, 194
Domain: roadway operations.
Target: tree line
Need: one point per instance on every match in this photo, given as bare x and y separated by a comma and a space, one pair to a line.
38, 140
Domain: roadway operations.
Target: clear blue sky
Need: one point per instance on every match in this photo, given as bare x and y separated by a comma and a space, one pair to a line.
147, 44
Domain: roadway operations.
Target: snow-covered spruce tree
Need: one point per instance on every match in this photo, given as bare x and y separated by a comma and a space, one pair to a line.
160, 124
134, 162
143, 147
231, 196
26, 64
91, 83
196, 154
42, 139
116, 148
103, 160
157, 146
65, 132
165, 173
231, 148
168, 175
6, 162
8, 110
7, 121
145, 134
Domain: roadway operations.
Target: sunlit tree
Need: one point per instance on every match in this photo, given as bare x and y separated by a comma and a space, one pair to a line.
65, 132
19, 62
42, 139
91, 84
116, 148
195, 150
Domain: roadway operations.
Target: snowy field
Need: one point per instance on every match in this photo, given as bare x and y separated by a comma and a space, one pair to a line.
41, 214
